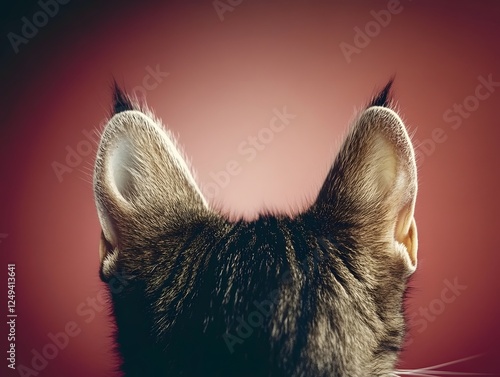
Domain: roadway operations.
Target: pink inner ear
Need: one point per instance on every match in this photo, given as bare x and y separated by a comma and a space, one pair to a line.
384, 164
121, 161
102, 248
108, 234
413, 245
105, 247
406, 232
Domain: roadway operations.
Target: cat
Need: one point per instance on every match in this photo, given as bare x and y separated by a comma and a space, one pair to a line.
317, 294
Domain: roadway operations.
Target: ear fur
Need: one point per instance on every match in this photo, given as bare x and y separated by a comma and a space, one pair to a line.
143, 186
374, 181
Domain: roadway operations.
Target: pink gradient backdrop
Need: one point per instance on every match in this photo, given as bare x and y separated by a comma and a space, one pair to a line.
225, 79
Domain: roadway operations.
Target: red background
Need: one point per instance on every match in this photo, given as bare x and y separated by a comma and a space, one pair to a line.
225, 78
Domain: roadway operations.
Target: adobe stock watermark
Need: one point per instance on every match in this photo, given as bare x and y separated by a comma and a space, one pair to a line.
76, 154
263, 309
419, 319
57, 342
248, 150
223, 6
150, 81
455, 116
30, 27
255, 319
363, 36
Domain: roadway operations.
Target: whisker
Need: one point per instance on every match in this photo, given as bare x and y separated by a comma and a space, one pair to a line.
434, 373
450, 362
416, 373
431, 371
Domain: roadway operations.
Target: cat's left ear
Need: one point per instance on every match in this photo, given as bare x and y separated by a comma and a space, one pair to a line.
143, 186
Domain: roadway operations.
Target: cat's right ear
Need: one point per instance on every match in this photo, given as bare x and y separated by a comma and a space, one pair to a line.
143, 186
370, 191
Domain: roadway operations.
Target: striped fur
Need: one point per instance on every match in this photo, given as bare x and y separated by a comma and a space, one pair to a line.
197, 294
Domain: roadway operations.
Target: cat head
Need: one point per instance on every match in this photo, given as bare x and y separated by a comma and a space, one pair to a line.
319, 293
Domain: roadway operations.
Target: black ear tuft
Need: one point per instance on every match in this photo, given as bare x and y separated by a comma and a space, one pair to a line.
383, 98
120, 100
